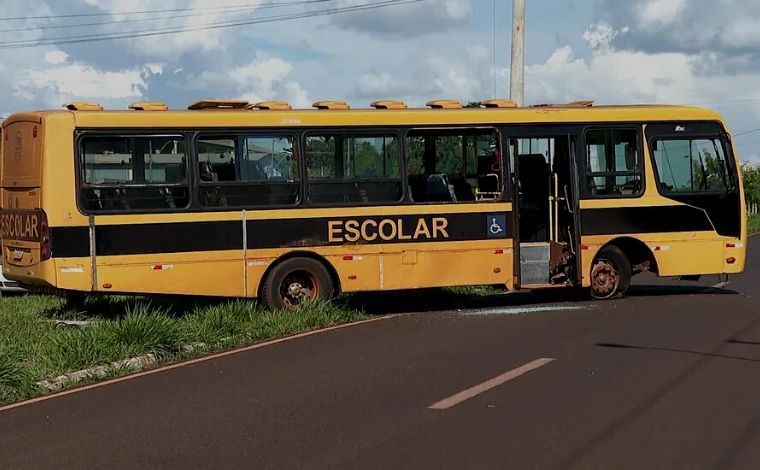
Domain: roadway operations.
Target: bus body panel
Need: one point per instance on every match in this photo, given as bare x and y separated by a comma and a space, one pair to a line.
46, 181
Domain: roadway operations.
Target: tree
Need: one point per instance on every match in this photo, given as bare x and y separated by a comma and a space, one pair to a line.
751, 177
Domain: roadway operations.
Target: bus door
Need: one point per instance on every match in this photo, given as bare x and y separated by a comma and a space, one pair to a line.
546, 216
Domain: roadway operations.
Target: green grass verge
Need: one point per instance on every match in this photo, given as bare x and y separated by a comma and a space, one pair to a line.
34, 348
754, 223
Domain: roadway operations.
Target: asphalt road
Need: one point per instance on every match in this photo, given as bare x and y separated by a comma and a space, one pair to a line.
668, 377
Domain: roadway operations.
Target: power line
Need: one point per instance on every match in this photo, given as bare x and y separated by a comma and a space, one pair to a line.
226, 11
116, 22
752, 131
209, 26
727, 102
146, 12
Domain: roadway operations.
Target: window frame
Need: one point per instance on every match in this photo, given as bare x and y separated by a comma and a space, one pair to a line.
505, 195
359, 132
728, 153
80, 135
583, 176
243, 133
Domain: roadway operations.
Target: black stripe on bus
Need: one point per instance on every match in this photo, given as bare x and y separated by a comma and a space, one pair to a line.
316, 232
658, 219
184, 237
70, 242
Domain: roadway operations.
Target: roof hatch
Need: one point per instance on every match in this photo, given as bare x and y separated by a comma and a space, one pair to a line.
148, 106
218, 104
388, 104
444, 104
333, 105
83, 106
270, 106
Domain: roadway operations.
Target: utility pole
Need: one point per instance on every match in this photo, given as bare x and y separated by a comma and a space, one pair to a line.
517, 77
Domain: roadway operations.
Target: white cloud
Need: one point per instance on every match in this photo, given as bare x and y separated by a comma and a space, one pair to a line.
628, 77
658, 13
406, 20
81, 81
56, 57
155, 68
600, 36
207, 12
260, 80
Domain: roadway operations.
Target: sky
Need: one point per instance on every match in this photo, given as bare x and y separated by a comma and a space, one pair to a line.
695, 52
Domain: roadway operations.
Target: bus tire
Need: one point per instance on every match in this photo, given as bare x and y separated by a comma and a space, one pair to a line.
296, 281
610, 273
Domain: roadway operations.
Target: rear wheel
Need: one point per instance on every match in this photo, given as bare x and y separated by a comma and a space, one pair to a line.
297, 281
610, 273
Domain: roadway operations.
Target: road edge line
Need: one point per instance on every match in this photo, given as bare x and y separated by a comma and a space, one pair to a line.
190, 362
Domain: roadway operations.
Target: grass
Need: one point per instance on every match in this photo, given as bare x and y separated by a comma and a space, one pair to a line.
754, 223
33, 347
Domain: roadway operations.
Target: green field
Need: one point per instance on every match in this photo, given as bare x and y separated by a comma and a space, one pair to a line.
754, 223
35, 346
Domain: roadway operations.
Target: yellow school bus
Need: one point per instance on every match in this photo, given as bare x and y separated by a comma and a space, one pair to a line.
233, 199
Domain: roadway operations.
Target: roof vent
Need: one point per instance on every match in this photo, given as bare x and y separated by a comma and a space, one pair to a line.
218, 104
148, 106
331, 105
270, 106
83, 106
498, 104
444, 104
388, 104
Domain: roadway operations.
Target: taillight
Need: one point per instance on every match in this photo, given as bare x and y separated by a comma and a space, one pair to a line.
46, 248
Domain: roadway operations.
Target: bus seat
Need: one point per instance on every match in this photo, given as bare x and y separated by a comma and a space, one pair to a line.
417, 187
111, 199
90, 200
439, 189
462, 190
488, 183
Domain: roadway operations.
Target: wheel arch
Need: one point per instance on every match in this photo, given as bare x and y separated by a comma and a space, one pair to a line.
637, 252
302, 254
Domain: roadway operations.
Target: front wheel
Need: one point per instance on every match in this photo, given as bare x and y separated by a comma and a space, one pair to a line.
297, 281
610, 273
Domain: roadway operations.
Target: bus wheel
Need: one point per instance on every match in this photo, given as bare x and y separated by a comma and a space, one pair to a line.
610, 273
296, 281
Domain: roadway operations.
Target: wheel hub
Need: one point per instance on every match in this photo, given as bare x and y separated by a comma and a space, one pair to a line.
604, 279
297, 288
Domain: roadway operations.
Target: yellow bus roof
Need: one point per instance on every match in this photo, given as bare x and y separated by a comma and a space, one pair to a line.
372, 117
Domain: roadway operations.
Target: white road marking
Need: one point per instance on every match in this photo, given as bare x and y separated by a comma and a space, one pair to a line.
522, 310
464, 395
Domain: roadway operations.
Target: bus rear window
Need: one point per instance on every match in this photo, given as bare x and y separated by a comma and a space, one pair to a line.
691, 165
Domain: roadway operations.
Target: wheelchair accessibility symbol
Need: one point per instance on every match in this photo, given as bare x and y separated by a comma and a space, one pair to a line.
497, 226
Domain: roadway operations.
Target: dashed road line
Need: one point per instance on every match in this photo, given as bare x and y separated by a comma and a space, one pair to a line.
464, 395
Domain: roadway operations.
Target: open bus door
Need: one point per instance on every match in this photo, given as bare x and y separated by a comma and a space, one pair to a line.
544, 178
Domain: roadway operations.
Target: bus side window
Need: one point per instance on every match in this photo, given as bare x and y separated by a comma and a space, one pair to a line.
239, 171
454, 165
353, 169
133, 173
613, 163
